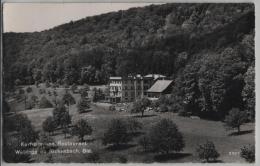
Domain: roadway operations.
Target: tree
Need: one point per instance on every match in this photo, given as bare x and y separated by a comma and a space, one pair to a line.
248, 153
49, 124
68, 99
34, 100
207, 152
248, 92
48, 143
25, 131
141, 105
82, 128
61, 115
45, 103
55, 97
116, 133
165, 137
235, 119
73, 88
83, 105
6, 107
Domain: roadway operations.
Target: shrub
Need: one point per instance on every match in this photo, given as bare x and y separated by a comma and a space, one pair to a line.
183, 113
145, 143
29, 89
112, 108
207, 152
165, 137
122, 159
61, 115
133, 125
47, 143
45, 103
116, 133
81, 129
47, 84
73, 88
235, 119
248, 153
93, 157
163, 108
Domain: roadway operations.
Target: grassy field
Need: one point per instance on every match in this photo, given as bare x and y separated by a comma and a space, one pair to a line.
195, 131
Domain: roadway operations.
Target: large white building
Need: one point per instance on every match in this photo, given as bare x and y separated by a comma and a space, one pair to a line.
128, 89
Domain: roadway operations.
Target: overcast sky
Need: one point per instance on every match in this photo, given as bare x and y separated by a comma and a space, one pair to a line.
30, 17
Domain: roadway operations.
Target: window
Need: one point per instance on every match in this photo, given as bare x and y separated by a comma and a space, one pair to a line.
126, 94
125, 87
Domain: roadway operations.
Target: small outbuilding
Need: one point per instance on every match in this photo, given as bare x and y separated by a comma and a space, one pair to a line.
159, 88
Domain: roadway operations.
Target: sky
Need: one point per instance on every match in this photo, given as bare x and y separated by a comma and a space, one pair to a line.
31, 17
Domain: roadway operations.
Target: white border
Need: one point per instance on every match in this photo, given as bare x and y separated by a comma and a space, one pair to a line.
257, 68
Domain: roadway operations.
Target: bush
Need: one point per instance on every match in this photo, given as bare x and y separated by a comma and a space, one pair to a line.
93, 157
47, 84
133, 125
42, 91
207, 152
116, 133
248, 153
145, 143
163, 108
112, 108
122, 159
47, 143
183, 113
45, 103
165, 137
81, 129
29, 89
235, 119
141, 105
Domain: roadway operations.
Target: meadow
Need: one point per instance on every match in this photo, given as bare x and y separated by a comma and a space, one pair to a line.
195, 131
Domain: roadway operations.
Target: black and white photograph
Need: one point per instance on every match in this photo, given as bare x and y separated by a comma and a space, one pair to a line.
131, 82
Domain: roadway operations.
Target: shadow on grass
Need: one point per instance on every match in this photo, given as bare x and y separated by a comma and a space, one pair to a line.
120, 147
136, 134
144, 116
215, 161
171, 156
85, 111
241, 132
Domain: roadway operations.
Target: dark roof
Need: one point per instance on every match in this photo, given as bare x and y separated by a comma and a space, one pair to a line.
160, 86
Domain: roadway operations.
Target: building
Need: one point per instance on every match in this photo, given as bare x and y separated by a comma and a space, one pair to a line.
128, 89
159, 88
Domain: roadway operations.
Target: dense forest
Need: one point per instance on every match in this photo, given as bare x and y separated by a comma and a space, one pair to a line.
208, 49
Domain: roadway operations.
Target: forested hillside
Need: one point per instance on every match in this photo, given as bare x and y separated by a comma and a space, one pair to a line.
208, 49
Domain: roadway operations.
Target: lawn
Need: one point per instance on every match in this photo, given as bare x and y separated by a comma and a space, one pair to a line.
195, 131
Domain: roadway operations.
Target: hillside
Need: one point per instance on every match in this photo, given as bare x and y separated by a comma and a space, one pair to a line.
208, 49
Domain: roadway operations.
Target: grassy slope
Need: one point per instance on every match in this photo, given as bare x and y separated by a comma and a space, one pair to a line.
195, 131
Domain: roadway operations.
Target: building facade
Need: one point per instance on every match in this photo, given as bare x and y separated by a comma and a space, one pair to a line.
159, 88
131, 88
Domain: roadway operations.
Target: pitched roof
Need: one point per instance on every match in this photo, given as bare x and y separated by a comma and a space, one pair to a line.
115, 78
160, 86
154, 76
